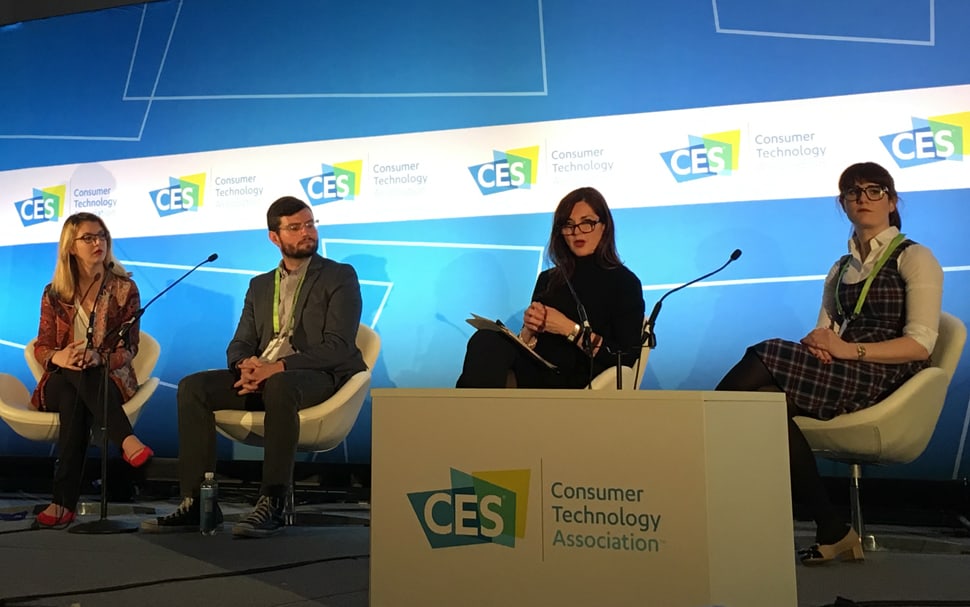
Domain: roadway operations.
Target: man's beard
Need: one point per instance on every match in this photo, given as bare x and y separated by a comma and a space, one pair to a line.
300, 250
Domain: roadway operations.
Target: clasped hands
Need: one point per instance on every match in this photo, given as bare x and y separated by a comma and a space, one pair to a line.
826, 345
76, 356
253, 372
539, 318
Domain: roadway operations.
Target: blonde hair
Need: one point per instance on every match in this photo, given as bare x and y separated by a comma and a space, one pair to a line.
64, 282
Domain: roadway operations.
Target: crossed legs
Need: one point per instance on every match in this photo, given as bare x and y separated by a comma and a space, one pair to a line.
751, 375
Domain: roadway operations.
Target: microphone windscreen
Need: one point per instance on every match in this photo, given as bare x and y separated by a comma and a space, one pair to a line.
213, 257
736, 254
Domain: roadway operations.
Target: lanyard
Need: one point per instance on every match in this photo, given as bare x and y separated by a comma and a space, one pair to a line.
276, 302
872, 275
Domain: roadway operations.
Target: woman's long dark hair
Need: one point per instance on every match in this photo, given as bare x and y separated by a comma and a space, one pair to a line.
862, 172
557, 251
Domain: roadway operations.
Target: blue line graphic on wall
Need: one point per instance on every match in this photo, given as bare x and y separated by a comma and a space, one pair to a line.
905, 22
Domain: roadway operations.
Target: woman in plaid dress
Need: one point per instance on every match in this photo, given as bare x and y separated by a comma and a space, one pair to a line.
877, 327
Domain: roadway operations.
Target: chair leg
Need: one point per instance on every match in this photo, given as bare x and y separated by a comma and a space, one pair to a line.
855, 501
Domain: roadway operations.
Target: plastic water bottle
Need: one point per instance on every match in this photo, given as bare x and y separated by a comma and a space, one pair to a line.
208, 496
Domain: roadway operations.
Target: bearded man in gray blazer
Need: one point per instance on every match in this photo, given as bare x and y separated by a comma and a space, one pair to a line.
293, 348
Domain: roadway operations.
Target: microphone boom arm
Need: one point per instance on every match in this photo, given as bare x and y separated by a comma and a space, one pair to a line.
120, 332
649, 337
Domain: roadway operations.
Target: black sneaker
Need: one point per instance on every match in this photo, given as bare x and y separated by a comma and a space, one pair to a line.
185, 518
265, 520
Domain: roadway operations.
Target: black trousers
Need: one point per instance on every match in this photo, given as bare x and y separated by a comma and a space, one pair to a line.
282, 396
76, 396
491, 356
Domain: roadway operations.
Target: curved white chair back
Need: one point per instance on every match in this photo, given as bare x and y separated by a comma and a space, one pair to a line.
322, 427
144, 363
632, 377
44, 426
897, 429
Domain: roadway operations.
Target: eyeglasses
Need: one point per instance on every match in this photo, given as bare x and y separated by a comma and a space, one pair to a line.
297, 227
93, 238
873, 193
584, 227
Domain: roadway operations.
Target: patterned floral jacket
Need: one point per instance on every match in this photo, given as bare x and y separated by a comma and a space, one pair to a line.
118, 302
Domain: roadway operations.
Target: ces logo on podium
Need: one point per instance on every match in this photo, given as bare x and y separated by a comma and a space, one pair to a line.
930, 140
478, 508
47, 204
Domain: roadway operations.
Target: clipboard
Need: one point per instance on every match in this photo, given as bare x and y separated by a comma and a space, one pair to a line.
484, 324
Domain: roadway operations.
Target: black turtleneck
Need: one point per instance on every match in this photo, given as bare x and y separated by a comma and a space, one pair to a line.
613, 299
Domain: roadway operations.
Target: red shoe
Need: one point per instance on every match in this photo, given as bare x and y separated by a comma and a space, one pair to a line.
140, 457
46, 521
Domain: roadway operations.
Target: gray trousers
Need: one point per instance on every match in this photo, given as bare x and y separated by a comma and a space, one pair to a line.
282, 396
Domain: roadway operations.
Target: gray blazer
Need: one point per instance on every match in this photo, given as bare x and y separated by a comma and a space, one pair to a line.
325, 330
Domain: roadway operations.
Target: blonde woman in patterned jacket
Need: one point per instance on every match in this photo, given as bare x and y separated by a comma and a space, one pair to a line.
71, 385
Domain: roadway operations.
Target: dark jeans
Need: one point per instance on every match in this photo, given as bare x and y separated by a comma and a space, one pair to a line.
282, 396
76, 396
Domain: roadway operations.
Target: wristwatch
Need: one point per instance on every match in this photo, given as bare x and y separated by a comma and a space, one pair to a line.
573, 334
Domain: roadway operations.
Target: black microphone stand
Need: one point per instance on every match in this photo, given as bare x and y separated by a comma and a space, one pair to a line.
102, 526
117, 335
649, 336
585, 333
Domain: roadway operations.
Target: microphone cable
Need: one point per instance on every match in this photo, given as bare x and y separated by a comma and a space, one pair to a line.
15, 600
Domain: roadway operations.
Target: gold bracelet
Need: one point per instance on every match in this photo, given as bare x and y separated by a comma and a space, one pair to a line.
532, 342
860, 351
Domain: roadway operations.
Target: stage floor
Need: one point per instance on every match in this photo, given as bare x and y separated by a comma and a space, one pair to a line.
329, 565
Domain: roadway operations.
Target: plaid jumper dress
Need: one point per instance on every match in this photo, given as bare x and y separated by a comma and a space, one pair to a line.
824, 391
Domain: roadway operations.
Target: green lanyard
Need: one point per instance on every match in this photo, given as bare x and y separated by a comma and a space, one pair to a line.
872, 275
276, 302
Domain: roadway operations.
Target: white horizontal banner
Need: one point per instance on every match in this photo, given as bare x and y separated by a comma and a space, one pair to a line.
778, 150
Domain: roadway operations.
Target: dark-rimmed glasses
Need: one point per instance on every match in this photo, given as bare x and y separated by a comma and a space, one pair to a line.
873, 193
93, 238
585, 227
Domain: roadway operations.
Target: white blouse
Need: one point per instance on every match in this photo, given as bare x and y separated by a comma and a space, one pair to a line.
924, 286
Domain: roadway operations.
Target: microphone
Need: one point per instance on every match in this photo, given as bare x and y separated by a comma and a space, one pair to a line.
648, 334
121, 331
585, 330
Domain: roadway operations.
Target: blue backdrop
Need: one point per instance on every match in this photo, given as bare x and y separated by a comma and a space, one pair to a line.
185, 76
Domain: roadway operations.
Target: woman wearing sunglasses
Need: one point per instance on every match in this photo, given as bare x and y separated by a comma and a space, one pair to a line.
90, 295
582, 250
877, 326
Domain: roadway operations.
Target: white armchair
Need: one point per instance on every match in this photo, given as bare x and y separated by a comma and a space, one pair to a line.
895, 430
44, 426
631, 377
322, 427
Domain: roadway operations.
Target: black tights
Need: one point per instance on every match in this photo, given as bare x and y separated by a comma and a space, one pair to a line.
751, 375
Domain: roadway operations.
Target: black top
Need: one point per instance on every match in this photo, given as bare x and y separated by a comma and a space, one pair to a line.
614, 305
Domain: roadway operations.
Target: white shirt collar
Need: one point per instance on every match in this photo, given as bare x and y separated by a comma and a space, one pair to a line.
876, 244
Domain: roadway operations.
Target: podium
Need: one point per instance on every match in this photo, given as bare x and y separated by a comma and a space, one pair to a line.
577, 497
